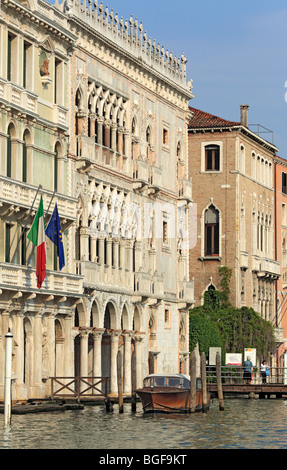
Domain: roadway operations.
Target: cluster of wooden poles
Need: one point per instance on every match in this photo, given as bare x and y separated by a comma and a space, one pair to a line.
193, 377
109, 403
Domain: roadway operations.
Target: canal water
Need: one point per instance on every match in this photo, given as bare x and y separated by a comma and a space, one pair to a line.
244, 424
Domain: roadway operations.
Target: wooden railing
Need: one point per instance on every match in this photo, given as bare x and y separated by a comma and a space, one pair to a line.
79, 387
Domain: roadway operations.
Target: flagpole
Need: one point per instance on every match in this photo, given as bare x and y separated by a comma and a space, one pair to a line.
50, 202
33, 248
19, 238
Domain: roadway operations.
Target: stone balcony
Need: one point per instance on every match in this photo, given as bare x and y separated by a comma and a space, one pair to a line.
89, 152
26, 101
17, 197
265, 267
244, 261
279, 335
23, 278
155, 179
185, 190
18, 96
186, 293
140, 174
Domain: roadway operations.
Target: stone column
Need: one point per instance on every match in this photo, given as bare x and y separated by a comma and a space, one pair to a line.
84, 243
84, 336
37, 366
114, 335
114, 137
120, 140
129, 246
122, 260
92, 125
100, 122
4, 331
127, 362
21, 392
138, 255
93, 249
68, 347
97, 359
116, 260
101, 251
107, 134
51, 366
138, 350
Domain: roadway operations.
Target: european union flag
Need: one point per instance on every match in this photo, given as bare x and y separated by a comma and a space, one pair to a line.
53, 231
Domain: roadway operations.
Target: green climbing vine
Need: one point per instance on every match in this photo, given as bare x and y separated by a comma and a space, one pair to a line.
218, 324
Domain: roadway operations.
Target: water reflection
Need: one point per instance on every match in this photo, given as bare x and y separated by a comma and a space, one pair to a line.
244, 424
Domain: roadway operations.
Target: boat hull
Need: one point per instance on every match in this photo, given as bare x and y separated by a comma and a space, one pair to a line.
175, 400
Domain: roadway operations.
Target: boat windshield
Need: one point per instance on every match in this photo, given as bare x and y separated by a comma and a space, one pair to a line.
166, 381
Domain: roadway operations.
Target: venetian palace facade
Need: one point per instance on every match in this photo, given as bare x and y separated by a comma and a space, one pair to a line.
93, 117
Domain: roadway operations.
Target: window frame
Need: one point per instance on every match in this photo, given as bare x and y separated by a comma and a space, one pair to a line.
204, 146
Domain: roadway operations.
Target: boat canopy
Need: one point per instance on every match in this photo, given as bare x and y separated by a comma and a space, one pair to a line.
168, 380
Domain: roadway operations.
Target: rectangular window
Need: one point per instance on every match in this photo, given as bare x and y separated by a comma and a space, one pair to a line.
164, 232
24, 233
283, 214
58, 82
12, 63
27, 66
9, 155
212, 158
8, 229
9, 57
24, 163
284, 189
165, 137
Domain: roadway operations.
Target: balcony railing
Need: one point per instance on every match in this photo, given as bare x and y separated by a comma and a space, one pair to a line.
19, 96
89, 152
21, 195
185, 190
265, 266
18, 277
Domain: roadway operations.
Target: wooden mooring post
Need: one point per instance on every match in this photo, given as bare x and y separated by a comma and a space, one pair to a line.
203, 381
192, 372
134, 396
120, 383
219, 382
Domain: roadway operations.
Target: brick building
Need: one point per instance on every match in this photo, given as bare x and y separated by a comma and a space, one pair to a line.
280, 211
232, 175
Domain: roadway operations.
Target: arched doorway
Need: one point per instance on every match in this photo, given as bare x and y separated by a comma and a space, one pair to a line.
109, 324
28, 353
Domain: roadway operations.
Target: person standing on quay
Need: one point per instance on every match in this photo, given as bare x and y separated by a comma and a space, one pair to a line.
247, 370
263, 371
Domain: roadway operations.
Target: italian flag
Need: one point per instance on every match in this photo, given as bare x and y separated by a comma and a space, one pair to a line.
37, 236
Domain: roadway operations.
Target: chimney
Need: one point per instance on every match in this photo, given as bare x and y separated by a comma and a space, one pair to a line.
244, 114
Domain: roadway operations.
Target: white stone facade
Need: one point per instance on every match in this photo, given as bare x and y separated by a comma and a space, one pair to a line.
104, 133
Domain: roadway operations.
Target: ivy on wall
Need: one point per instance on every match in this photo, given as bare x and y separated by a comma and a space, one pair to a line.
218, 324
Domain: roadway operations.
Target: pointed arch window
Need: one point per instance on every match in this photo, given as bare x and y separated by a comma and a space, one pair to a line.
211, 231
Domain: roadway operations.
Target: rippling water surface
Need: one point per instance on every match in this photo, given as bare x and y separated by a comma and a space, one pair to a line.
244, 424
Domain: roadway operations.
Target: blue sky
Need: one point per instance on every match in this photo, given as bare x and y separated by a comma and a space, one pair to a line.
236, 54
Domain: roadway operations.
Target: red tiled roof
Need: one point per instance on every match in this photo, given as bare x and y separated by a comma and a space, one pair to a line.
200, 119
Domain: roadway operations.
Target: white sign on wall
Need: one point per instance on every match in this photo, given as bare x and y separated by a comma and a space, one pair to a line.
249, 352
234, 359
212, 355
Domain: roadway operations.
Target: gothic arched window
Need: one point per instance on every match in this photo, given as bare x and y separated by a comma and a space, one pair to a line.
211, 231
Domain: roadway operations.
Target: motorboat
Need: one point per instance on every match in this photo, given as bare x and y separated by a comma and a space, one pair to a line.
169, 393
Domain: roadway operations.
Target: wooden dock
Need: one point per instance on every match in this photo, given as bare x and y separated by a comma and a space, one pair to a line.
277, 390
